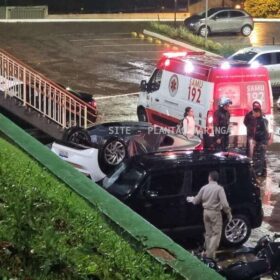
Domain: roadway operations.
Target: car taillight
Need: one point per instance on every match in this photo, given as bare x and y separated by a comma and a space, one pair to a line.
92, 103
199, 147
209, 122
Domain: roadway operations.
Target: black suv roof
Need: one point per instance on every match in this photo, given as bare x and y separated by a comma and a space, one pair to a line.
159, 159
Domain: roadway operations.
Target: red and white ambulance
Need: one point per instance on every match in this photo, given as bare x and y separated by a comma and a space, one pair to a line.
199, 81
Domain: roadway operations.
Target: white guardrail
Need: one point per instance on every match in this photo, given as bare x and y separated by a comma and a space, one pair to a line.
36, 92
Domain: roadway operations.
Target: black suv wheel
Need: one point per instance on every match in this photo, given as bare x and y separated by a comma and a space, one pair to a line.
237, 231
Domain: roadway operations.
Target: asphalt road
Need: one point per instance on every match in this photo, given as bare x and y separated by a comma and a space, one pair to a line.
104, 59
263, 34
101, 58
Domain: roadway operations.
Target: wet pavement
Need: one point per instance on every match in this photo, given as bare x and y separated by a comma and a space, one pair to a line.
105, 60
263, 34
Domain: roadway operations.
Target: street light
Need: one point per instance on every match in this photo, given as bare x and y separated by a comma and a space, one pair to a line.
175, 11
206, 23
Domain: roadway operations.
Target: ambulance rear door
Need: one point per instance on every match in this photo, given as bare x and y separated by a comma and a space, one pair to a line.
154, 88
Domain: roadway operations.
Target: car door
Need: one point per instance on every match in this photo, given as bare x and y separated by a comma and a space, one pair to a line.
274, 69
199, 179
153, 89
220, 22
236, 19
162, 198
268, 60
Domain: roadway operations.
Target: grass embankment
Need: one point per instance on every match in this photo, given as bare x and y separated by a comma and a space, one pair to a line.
48, 232
182, 34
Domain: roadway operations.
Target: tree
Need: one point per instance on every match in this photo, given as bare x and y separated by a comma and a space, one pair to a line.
263, 8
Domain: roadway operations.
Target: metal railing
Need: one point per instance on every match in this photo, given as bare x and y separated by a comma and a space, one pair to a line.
36, 92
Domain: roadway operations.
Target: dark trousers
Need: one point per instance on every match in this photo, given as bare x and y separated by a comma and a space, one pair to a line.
224, 142
259, 158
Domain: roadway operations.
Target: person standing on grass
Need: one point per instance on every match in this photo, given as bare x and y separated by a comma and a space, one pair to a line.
213, 199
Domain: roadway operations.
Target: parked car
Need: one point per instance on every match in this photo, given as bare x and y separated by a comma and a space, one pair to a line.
221, 20
278, 103
84, 96
156, 187
98, 150
268, 56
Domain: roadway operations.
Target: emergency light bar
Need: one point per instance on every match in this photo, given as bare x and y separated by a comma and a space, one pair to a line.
181, 54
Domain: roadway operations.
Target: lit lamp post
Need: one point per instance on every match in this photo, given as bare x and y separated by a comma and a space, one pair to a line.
206, 19
175, 11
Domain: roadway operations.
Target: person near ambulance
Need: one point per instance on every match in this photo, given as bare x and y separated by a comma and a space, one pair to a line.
189, 123
261, 137
250, 123
221, 124
213, 199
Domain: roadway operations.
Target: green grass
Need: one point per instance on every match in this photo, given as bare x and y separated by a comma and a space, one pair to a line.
48, 232
182, 34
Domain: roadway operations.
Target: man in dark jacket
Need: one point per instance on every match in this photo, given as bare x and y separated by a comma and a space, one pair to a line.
221, 124
250, 123
261, 137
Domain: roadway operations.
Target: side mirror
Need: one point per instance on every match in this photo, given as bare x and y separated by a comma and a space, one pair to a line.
143, 85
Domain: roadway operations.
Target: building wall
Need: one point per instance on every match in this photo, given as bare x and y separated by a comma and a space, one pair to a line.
200, 6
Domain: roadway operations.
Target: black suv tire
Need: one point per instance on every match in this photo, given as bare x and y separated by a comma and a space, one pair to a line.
239, 227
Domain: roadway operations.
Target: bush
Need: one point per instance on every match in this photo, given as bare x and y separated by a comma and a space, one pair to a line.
48, 232
184, 35
263, 8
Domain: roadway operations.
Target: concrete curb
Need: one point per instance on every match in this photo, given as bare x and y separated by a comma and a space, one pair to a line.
178, 43
266, 19
80, 20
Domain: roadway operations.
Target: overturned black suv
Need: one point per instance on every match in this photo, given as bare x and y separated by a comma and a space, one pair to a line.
156, 186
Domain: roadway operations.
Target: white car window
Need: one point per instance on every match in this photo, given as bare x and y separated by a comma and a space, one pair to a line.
243, 56
221, 15
278, 57
234, 14
265, 59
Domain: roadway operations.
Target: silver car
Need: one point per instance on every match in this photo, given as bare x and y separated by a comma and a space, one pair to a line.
221, 20
268, 56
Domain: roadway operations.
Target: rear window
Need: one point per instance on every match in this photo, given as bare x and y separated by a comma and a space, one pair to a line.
245, 56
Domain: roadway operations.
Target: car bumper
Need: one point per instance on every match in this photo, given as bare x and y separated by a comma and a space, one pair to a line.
85, 161
192, 27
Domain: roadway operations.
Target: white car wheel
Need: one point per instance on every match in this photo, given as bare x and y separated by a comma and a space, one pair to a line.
246, 30
114, 152
203, 31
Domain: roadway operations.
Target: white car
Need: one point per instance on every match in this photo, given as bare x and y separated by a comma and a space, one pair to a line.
278, 103
268, 56
96, 151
